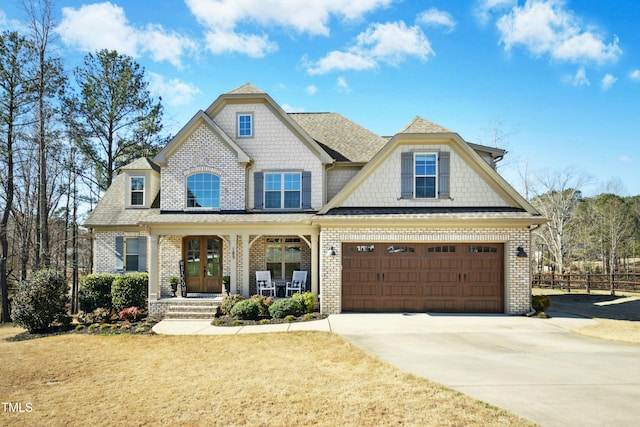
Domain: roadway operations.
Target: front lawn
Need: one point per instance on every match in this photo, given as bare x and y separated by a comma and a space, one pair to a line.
276, 379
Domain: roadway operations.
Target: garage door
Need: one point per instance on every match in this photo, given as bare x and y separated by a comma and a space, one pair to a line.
464, 278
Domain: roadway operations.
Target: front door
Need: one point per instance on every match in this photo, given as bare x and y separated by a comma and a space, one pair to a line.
203, 263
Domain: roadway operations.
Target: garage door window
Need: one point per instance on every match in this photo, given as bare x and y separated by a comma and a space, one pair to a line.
440, 249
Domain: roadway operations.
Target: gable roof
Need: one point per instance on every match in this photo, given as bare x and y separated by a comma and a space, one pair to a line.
342, 138
432, 133
188, 129
142, 163
248, 93
420, 125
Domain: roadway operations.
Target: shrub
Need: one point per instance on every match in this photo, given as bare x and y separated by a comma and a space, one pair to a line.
131, 314
289, 318
540, 303
99, 315
246, 309
288, 306
95, 291
229, 301
129, 290
41, 300
306, 299
263, 304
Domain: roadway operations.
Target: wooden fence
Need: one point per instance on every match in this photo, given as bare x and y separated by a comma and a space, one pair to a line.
625, 282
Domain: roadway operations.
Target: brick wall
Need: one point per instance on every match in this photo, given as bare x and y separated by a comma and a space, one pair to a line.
104, 258
517, 271
203, 151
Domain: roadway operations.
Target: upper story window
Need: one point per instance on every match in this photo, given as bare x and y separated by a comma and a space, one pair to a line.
282, 190
203, 191
425, 175
245, 125
137, 190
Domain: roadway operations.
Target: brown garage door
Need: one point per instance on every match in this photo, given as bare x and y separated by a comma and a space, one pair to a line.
464, 278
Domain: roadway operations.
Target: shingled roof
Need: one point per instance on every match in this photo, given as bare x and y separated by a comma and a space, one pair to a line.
420, 125
343, 139
245, 89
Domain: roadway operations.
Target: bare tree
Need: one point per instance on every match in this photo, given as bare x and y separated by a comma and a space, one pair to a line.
558, 202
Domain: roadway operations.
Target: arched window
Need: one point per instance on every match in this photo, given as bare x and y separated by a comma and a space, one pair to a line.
203, 191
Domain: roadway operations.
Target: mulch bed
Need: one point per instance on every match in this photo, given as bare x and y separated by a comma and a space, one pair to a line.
120, 327
232, 321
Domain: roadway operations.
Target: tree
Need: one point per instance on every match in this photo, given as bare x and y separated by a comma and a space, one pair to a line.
116, 118
49, 84
615, 226
558, 204
15, 98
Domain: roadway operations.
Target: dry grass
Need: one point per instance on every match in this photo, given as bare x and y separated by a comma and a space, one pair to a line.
285, 379
616, 330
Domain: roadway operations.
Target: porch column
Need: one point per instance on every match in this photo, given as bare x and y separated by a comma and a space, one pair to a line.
245, 264
314, 264
233, 274
154, 279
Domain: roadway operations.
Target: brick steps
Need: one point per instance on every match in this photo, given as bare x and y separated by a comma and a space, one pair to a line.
187, 308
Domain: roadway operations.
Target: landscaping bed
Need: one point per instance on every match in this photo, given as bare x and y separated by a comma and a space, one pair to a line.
228, 320
119, 327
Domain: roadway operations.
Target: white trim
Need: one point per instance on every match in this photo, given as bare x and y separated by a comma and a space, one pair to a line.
251, 127
435, 175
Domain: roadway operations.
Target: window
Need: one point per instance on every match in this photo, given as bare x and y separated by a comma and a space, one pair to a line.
203, 191
283, 257
245, 125
425, 175
132, 252
282, 190
137, 190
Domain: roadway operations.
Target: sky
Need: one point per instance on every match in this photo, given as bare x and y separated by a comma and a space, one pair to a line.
555, 83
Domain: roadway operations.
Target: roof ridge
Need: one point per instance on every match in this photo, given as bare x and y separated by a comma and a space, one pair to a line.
421, 125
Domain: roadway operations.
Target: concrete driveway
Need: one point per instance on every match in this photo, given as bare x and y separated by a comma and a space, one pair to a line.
536, 368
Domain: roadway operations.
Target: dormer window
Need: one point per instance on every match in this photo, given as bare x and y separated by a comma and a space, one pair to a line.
245, 125
137, 190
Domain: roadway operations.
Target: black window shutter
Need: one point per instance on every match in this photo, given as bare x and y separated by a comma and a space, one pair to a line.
257, 190
306, 190
142, 254
406, 169
119, 253
444, 191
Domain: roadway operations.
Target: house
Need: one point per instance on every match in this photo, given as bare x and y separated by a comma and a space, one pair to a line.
417, 222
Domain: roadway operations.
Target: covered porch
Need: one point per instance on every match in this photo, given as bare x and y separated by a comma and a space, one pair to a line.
221, 256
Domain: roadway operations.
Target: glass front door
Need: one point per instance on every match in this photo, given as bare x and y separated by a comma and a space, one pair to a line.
203, 259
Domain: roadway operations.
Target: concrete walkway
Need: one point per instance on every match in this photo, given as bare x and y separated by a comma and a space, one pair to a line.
204, 327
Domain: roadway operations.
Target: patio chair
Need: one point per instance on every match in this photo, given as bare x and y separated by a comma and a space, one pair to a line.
298, 283
264, 283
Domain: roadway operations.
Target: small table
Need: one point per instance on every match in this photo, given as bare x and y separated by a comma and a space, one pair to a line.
281, 286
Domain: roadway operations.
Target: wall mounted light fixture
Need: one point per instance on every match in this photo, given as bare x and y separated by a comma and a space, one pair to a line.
520, 253
331, 251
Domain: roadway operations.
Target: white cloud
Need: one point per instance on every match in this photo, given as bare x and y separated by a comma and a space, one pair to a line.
544, 27
223, 17
174, 92
607, 81
219, 42
635, 75
389, 43
342, 85
580, 78
105, 26
437, 18
486, 8
311, 90
7, 24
